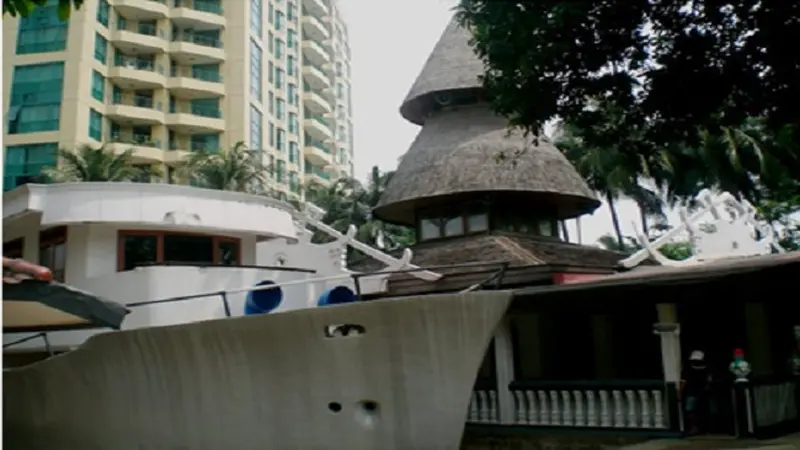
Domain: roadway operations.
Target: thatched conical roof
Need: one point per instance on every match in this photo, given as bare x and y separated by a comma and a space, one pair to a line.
451, 66
455, 155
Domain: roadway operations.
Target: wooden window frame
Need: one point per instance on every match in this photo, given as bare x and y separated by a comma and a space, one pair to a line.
159, 235
50, 238
464, 215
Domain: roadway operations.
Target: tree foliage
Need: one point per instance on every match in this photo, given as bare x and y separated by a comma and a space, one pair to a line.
90, 164
236, 169
349, 202
677, 69
23, 8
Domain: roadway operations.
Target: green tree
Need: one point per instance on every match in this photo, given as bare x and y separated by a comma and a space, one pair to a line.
349, 202
676, 251
674, 67
611, 174
97, 164
23, 8
236, 169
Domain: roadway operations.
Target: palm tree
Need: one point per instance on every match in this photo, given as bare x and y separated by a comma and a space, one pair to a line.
237, 169
97, 164
348, 202
599, 167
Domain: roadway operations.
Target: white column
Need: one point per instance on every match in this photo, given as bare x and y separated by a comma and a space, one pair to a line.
669, 331
504, 366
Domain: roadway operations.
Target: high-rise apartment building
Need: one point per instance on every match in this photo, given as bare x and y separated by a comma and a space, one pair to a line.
169, 77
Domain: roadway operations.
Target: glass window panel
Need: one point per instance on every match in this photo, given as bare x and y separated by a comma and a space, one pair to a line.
188, 249
139, 251
454, 226
477, 222
228, 253
429, 229
546, 228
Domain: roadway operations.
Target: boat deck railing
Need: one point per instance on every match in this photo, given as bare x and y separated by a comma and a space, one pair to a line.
496, 272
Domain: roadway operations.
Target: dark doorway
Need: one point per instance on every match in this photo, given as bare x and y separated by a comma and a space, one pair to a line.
716, 331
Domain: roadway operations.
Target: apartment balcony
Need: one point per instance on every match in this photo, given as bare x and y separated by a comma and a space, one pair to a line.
198, 14
313, 28
318, 127
145, 150
315, 102
315, 53
142, 9
317, 154
135, 111
136, 73
175, 156
195, 119
141, 39
317, 176
315, 76
189, 48
318, 8
191, 84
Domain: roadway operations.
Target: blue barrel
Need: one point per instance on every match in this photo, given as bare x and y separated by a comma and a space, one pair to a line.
336, 296
263, 301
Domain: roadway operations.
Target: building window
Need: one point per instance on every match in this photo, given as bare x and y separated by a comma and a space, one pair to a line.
271, 14
291, 38
436, 226
95, 125
294, 97
280, 171
102, 12
294, 152
279, 19
256, 119
143, 248
271, 103
291, 12
294, 125
271, 72
24, 163
255, 17
204, 143
98, 86
35, 98
255, 70
280, 140
53, 251
271, 134
279, 49
280, 109
270, 43
42, 31
294, 182
100, 48
279, 79
291, 68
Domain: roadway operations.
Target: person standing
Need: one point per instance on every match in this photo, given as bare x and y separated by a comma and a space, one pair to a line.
695, 393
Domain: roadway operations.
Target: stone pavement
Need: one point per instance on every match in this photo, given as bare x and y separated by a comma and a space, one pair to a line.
791, 442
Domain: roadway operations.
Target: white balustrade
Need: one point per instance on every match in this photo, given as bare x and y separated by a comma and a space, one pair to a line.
616, 408
483, 407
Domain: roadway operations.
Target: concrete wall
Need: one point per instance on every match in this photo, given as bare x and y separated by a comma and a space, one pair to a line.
264, 381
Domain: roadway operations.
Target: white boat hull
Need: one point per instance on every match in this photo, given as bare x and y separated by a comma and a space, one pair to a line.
266, 382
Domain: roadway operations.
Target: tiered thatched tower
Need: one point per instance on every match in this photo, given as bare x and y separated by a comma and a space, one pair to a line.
467, 206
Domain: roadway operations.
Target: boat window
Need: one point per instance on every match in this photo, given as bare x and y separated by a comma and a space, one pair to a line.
53, 251
144, 248
188, 249
228, 250
139, 250
14, 248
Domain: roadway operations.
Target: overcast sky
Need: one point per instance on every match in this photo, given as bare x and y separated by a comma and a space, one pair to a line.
390, 41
